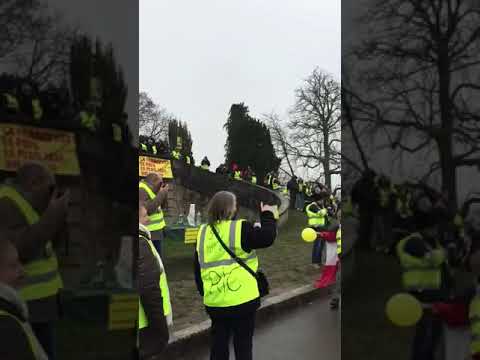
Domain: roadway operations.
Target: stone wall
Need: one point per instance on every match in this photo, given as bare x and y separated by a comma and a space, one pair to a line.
192, 185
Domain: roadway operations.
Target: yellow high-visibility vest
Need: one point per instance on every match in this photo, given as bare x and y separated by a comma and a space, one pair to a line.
316, 218
42, 274
37, 109
225, 282
156, 220
163, 283
254, 179
474, 316
88, 121
117, 132
339, 241
12, 102
420, 273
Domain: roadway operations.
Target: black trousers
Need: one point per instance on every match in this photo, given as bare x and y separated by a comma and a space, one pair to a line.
240, 327
428, 333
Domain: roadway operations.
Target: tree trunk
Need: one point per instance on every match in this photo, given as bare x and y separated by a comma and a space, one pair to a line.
448, 171
326, 161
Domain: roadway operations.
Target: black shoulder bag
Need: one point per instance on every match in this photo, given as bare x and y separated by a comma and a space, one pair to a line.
262, 282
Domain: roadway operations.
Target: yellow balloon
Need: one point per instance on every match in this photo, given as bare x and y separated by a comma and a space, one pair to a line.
309, 235
403, 310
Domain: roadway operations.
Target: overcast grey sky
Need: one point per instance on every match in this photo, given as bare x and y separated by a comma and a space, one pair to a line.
199, 57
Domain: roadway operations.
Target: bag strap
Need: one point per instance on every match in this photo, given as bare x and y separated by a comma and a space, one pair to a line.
230, 252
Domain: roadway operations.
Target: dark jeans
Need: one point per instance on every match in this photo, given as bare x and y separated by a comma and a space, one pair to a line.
427, 335
317, 251
242, 327
158, 237
45, 333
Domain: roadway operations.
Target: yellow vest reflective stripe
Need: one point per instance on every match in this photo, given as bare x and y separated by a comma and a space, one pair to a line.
163, 284
144, 147
225, 282
37, 109
237, 175
42, 275
12, 102
117, 132
34, 345
88, 121
339, 241
254, 179
187, 160
175, 154
156, 220
316, 218
419, 273
474, 316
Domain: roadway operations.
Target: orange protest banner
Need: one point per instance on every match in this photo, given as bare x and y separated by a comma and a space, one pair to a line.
147, 165
55, 148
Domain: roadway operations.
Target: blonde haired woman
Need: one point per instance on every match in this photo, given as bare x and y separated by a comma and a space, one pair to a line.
230, 292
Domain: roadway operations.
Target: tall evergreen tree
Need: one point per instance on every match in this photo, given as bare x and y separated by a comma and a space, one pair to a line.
249, 142
178, 129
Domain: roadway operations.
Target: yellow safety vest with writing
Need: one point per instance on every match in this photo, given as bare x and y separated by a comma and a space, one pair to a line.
316, 218
339, 241
163, 284
88, 121
42, 275
474, 317
34, 344
12, 102
420, 273
156, 220
37, 109
225, 282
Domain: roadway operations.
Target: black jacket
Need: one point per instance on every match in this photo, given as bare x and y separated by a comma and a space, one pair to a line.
252, 238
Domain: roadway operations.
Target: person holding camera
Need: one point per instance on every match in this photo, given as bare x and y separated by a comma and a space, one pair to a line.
227, 275
152, 192
33, 214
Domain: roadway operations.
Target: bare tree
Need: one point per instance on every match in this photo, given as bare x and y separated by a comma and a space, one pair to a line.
281, 142
316, 125
153, 120
34, 42
419, 79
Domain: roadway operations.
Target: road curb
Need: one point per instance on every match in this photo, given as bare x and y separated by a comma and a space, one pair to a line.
193, 337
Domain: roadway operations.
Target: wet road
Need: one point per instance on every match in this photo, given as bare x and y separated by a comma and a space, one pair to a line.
308, 333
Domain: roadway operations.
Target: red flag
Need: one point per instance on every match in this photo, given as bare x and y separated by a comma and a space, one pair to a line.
328, 276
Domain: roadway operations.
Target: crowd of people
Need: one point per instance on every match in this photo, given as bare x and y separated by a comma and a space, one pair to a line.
21, 102
432, 243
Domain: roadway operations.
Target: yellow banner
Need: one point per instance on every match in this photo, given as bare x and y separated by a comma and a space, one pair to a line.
56, 149
147, 165
123, 311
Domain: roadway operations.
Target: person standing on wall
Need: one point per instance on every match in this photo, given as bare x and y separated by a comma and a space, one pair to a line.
33, 215
230, 293
155, 309
152, 191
